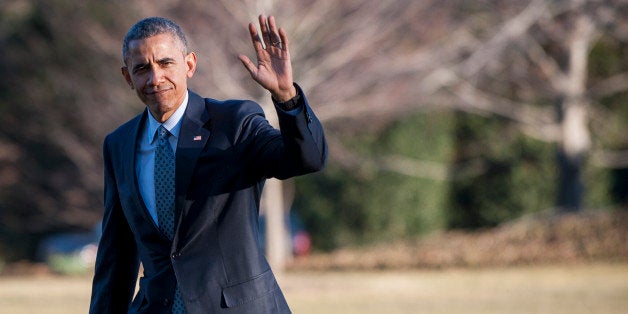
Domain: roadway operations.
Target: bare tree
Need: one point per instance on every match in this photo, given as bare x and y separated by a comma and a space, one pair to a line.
553, 40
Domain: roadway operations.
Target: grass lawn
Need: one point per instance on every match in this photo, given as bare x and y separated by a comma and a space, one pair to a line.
596, 288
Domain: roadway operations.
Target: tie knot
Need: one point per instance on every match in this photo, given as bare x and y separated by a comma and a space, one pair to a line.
163, 133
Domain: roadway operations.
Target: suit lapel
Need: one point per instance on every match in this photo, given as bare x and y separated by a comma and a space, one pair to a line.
129, 148
192, 139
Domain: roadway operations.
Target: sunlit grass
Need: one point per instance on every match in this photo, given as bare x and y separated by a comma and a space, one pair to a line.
598, 288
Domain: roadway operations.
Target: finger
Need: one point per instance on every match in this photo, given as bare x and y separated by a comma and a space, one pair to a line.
248, 64
284, 39
273, 34
257, 42
263, 25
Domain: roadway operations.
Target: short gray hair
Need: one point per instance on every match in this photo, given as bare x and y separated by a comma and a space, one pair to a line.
152, 26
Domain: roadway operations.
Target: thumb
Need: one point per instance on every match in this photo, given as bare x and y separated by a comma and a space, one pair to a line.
248, 64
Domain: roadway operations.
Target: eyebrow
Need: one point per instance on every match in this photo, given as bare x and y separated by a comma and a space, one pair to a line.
167, 59
160, 61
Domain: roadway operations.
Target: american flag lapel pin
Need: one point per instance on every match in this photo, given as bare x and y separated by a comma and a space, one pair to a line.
197, 138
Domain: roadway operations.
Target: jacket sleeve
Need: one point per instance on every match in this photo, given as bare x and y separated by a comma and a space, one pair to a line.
117, 263
299, 148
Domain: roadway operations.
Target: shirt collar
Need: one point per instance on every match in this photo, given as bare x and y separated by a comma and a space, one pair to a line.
173, 124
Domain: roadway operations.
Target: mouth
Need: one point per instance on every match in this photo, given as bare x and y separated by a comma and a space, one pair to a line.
156, 92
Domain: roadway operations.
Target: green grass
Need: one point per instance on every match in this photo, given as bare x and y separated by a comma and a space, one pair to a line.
597, 288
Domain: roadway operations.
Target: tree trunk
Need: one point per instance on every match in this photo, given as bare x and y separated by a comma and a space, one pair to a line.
572, 156
575, 141
276, 232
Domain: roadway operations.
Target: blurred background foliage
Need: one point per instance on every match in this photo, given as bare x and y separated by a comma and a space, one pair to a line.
417, 144
370, 204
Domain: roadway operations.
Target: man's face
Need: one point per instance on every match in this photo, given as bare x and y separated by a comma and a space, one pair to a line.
158, 69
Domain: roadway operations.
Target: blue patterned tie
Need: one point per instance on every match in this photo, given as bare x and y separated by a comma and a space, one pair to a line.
164, 184
164, 197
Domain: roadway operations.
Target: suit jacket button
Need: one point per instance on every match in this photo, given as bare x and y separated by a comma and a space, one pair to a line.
166, 302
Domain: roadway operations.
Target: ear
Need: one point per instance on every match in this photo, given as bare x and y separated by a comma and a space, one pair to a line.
190, 61
127, 76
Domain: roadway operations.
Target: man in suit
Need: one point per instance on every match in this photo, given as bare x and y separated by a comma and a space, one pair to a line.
183, 180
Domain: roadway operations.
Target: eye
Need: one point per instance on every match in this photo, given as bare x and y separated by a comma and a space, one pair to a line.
166, 62
140, 68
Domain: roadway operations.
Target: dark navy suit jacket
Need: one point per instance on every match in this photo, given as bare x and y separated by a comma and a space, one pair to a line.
225, 151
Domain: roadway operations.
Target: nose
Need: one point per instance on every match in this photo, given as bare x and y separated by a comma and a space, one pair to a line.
155, 76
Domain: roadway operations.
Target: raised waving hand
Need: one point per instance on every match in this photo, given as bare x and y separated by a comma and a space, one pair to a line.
273, 70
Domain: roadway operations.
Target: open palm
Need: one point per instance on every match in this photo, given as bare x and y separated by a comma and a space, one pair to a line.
274, 69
